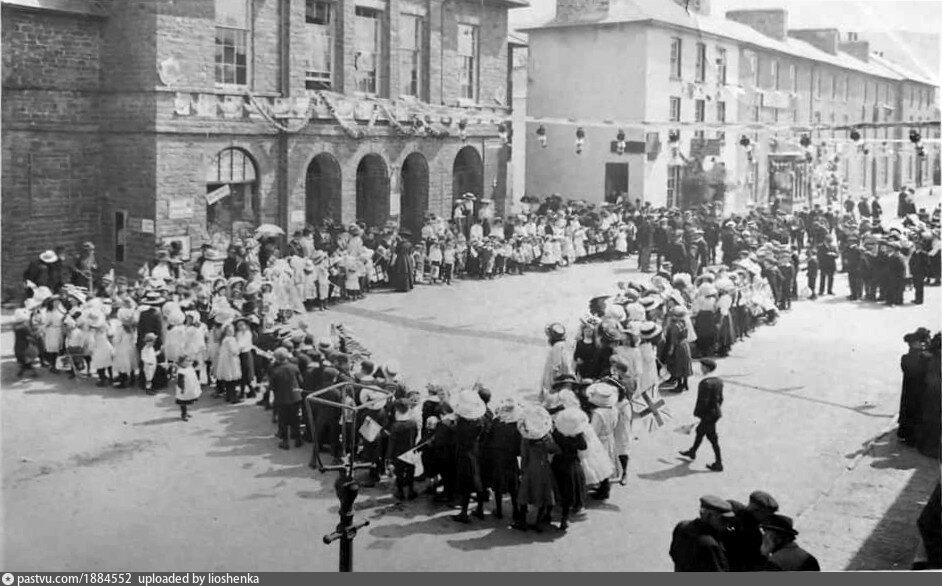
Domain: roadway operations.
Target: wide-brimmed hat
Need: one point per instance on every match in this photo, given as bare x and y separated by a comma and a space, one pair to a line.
564, 379
556, 331
49, 256
319, 255
213, 254
235, 282
571, 422
162, 256
127, 316
371, 398
651, 302
153, 298
602, 394
508, 411
469, 405
680, 311
95, 318
535, 422
649, 330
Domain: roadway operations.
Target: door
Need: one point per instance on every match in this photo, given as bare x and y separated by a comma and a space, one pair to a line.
616, 181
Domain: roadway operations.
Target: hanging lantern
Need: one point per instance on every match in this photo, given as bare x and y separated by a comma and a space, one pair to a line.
914, 136
744, 141
673, 136
541, 135
855, 135
805, 141
463, 129
580, 140
620, 142
502, 133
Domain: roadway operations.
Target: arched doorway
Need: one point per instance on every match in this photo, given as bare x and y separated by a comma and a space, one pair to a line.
414, 193
322, 190
467, 175
231, 197
372, 190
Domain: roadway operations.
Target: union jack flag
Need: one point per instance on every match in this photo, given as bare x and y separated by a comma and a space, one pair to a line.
651, 408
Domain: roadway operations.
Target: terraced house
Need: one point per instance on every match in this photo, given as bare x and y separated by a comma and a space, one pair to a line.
666, 90
131, 122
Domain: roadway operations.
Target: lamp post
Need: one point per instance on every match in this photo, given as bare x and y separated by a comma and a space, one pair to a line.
346, 487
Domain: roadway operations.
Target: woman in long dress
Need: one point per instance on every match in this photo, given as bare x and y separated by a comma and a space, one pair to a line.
536, 485
677, 349
402, 270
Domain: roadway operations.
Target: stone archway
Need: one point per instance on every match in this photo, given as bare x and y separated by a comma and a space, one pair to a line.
372, 190
467, 175
322, 190
414, 192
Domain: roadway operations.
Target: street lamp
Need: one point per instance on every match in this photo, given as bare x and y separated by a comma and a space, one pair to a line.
346, 487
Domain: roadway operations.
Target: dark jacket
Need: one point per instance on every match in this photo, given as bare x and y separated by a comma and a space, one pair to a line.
791, 558
285, 379
709, 399
402, 436
695, 547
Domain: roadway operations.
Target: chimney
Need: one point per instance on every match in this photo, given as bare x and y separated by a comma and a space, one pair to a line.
771, 23
581, 10
855, 47
825, 39
697, 6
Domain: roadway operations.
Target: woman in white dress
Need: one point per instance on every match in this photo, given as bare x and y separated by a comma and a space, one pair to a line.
53, 317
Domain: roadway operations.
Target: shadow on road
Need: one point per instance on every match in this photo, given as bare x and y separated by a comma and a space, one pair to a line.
892, 543
680, 470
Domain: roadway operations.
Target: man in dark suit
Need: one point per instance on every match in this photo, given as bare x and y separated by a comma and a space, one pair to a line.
695, 545
778, 542
896, 274
863, 207
918, 269
708, 409
743, 539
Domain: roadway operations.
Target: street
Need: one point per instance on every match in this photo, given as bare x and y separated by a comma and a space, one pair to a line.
110, 479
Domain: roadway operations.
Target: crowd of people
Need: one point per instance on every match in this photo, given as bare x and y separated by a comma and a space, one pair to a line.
225, 323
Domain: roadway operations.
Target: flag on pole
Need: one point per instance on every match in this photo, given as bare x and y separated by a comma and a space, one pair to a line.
651, 407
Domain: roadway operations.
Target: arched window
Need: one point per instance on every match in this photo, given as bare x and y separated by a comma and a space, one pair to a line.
231, 196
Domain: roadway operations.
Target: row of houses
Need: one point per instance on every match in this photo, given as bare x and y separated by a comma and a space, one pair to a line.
675, 105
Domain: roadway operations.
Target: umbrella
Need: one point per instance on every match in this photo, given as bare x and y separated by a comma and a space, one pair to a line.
268, 230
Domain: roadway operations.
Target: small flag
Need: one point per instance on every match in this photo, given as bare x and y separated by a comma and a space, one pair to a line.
370, 429
413, 457
655, 410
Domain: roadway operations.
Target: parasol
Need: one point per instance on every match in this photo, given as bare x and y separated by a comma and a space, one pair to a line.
268, 230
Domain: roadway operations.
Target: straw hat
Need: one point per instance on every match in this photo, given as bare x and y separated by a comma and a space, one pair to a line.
127, 316
535, 423
49, 256
508, 411
649, 330
568, 399
372, 399
468, 405
94, 318
21, 315
571, 422
602, 394
680, 311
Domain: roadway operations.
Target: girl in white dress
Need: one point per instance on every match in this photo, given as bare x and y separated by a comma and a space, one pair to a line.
125, 346
100, 345
149, 362
195, 344
228, 368
188, 386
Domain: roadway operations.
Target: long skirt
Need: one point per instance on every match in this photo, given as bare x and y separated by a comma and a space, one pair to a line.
570, 481
705, 325
597, 464
726, 333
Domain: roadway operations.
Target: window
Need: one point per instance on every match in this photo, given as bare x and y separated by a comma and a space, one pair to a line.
793, 78
721, 66
699, 111
755, 69
776, 82
817, 117
721, 111
675, 109
816, 82
721, 136
120, 235
834, 87
755, 113
368, 30
846, 88
675, 58
232, 42
701, 63
234, 173
673, 184
866, 91
884, 171
319, 27
468, 60
411, 55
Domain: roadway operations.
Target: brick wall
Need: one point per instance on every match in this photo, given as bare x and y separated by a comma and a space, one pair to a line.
492, 23
771, 23
51, 151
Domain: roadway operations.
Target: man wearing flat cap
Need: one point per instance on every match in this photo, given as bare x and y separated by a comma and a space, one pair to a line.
743, 540
778, 543
695, 545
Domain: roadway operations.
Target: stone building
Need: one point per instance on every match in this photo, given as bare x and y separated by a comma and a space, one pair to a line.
129, 123
684, 88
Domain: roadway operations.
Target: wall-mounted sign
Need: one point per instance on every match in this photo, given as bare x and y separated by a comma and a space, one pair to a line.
297, 216
217, 194
179, 209
147, 226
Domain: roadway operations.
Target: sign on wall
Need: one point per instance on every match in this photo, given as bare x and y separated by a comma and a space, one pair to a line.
147, 226
179, 209
217, 194
297, 217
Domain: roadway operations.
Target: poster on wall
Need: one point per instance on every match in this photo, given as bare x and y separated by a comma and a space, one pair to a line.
184, 245
297, 217
147, 226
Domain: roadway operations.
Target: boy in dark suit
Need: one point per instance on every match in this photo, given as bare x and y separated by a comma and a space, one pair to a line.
708, 409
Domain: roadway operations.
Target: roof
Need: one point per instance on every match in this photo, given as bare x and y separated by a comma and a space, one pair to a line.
84, 7
901, 70
517, 39
671, 14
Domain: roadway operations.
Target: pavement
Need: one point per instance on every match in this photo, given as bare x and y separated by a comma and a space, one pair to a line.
107, 479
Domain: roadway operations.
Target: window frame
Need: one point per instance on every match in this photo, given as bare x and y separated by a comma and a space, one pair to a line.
721, 112
846, 88
700, 72
472, 69
676, 61
756, 64
775, 72
247, 42
418, 54
670, 115
379, 33
721, 67
331, 27
674, 180
793, 77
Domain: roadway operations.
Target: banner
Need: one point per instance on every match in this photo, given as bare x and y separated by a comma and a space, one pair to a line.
217, 194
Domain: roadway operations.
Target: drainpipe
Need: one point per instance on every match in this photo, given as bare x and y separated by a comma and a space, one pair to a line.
284, 88
441, 54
